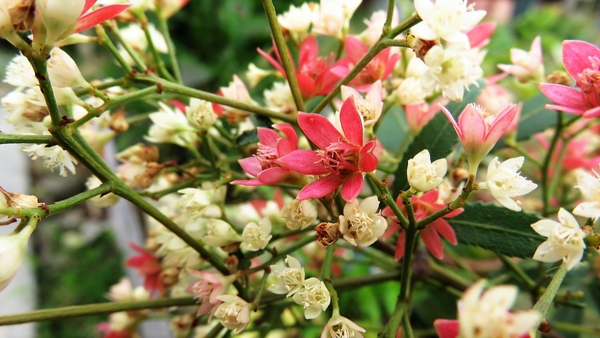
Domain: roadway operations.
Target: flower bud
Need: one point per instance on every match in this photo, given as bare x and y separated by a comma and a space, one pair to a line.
200, 113
139, 153
559, 77
12, 251
256, 236
328, 233
63, 70
299, 214
422, 174
220, 233
118, 122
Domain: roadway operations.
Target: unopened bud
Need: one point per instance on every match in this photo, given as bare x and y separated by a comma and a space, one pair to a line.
145, 179
118, 122
328, 233
460, 174
139, 153
419, 46
22, 13
170, 276
559, 77
232, 263
593, 239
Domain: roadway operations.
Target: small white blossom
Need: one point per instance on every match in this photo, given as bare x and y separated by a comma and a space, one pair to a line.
446, 19
233, 313
299, 214
279, 98
256, 236
200, 113
369, 107
297, 20
360, 224
486, 314
375, 24
504, 182
104, 200
12, 251
333, 17
422, 174
565, 240
289, 279
54, 157
314, 296
171, 126
589, 185
341, 327
220, 233
194, 201
254, 74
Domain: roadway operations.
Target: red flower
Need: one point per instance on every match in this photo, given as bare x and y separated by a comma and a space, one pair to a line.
265, 164
313, 73
148, 266
582, 61
343, 158
424, 206
378, 69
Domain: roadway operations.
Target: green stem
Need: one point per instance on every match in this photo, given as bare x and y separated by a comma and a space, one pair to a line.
387, 198
514, 267
404, 25
327, 263
105, 41
576, 328
40, 67
112, 26
459, 202
164, 29
160, 65
93, 309
286, 63
14, 138
546, 165
389, 17
281, 254
406, 327
546, 299
263, 283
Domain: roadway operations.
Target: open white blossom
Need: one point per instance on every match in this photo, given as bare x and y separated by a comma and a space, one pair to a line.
486, 314
256, 236
333, 17
504, 182
445, 19
297, 20
369, 107
233, 313
24, 113
341, 327
299, 214
565, 240
200, 113
279, 98
171, 126
194, 201
254, 74
422, 174
589, 185
220, 233
360, 224
62, 69
289, 279
54, 157
314, 296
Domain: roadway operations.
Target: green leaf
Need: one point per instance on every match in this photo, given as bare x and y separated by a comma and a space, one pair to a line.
392, 129
247, 137
438, 136
497, 229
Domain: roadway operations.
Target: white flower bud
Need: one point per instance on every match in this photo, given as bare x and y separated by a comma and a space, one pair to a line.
299, 214
256, 236
12, 251
171, 126
289, 279
422, 174
200, 113
234, 313
104, 200
194, 201
220, 233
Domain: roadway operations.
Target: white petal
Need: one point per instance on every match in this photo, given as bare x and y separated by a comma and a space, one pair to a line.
546, 252
545, 227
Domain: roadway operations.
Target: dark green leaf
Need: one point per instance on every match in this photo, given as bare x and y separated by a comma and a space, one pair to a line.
392, 129
438, 136
497, 229
247, 137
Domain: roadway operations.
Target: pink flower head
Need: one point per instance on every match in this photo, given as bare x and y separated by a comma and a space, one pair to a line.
149, 267
343, 157
55, 20
208, 288
423, 206
378, 69
479, 36
582, 61
526, 65
418, 115
479, 131
313, 73
265, 164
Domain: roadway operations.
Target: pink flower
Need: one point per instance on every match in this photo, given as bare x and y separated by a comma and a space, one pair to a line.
582, 61
479, 36
423, 206
418, 115
479, 131
313, 73
343, 158
526, 65
149, 267
369, 107
378, 69
207, 290
265, 164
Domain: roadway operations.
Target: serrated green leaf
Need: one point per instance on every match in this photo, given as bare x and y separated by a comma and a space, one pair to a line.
438, 136
497, 229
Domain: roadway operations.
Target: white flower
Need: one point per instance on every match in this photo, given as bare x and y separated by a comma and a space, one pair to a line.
487, 314
54, 157
451, 70
341, 327
104, 200
504, 182
370, 106
333, 17
314, 296
289, 279
124, 291
422, 174
171, 126
526, 64
299, 214
360, 224
234, 313
446, 19
256, 236
254, 74
589, 185
279, 98
194, 201
12, 251
297, 19
63, 70
24, 113
375, 24
200, 113
220, 233
565, 240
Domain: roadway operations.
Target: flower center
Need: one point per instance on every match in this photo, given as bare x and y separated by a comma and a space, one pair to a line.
360, 225
341, 158
341, 331
589, 82
266, 156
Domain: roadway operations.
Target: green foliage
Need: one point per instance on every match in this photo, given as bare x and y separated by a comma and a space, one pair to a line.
498, 229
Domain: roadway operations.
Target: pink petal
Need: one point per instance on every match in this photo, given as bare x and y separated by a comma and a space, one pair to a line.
569, 110
100, 15
340, 70
318, 129
368, 161
444, 229
273, 175
502, 122
306, 162
268, 136
432, 241
400, 246
306, 84
251, 165
355, 49
446, 328
472, 127
288, 131
393, 227
88, 4
595, 112
309, 51
429, 197
271, 60
536, 49
352, 187
320, 187
563, 95
389, 66
284, 147
452, 121
480, 34
249, 183
375, 91
351, 121
576, 54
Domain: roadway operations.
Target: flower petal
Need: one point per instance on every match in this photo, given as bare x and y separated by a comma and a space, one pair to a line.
320, 187
100, 15
432, 241
352, 187
268, 136
318, 129
351, 121
446, 328
251, 165
576, 54
563, 95
273, 175
444, 229
305, 162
